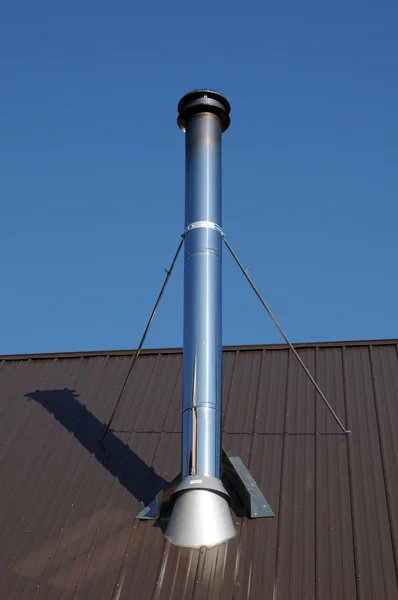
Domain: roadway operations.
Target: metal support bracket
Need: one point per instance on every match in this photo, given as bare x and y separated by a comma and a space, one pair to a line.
150, 512
238, 476
161, 503
246, 488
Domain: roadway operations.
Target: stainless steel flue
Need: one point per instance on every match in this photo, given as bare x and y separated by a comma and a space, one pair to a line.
201, 514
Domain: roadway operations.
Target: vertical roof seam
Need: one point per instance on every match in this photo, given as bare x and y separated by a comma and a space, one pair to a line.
224, 415
283, 473
255, 407
316, 481
383, 465
349, 461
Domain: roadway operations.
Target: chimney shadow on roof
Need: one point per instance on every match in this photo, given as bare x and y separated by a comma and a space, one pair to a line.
115, 455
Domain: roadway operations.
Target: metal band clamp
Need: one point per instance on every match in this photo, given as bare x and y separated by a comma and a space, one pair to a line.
208, 224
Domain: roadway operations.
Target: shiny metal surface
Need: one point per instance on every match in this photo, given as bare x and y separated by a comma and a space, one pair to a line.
201, 443
202, 300
200, 518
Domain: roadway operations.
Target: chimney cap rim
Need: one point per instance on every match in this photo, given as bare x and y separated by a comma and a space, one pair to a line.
203, 100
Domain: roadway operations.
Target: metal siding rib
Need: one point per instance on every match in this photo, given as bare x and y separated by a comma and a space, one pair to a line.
334, 540
384, 367
376, 571
335, 497
243, 394
297, 553
154, 408
265, 465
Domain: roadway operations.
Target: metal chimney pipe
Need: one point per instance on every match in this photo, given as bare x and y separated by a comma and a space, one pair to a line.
201, 514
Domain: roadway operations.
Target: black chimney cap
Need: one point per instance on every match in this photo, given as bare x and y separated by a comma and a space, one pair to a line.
203, 101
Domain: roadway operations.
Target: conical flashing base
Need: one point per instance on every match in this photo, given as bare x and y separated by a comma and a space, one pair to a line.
200, 517
199, 503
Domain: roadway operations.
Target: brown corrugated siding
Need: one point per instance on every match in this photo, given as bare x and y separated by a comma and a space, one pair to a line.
67, 506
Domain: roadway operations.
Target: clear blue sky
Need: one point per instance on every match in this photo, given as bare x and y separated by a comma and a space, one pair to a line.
92, 167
